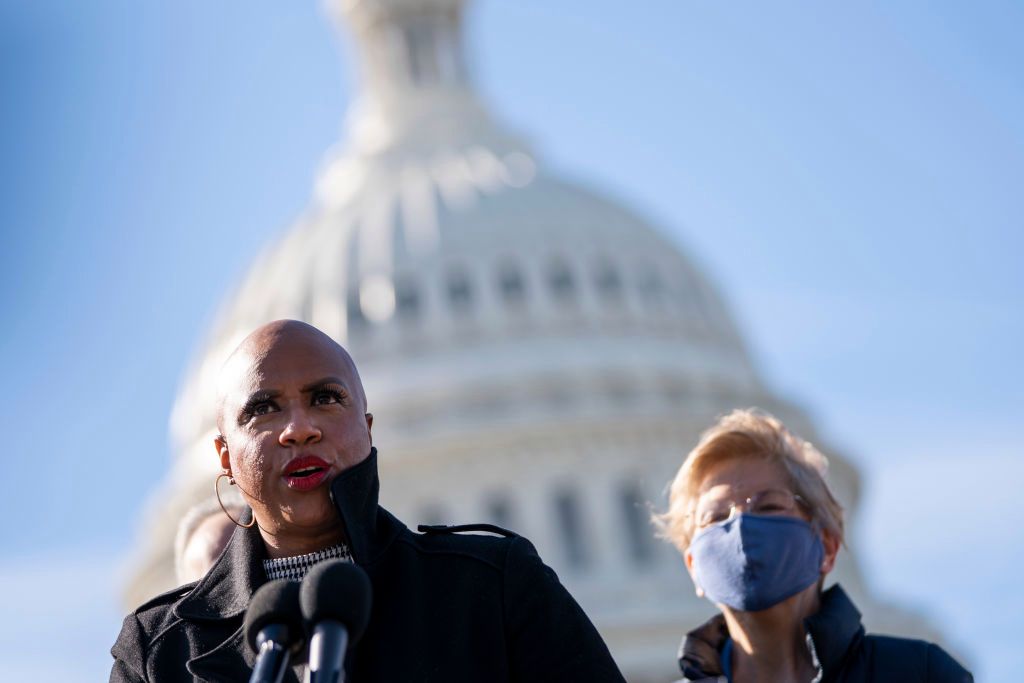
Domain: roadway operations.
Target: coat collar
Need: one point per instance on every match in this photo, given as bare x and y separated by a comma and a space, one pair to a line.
833, 629
222, 596
369, 529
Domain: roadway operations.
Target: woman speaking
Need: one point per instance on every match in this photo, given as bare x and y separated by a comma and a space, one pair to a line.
759, 529
295, 438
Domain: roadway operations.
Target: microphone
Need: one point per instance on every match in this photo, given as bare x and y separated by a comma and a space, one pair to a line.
335, 599
273, 628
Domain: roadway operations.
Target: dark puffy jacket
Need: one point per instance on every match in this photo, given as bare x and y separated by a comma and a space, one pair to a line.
845, 654
446, 607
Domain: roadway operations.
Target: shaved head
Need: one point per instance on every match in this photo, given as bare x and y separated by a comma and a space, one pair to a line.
292, 416
243, 365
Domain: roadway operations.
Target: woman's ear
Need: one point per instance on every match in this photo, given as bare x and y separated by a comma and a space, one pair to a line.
688, 558
831, 543
221, 445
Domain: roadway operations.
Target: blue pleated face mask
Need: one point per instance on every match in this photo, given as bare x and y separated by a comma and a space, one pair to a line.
751, 562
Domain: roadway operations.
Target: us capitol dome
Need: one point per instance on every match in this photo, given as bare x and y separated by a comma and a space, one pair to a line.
536, 355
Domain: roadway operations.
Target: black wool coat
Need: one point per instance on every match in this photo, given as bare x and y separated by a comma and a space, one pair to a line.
446, 607
844, 653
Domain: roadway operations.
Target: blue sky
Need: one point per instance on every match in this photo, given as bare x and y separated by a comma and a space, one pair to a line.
849, 174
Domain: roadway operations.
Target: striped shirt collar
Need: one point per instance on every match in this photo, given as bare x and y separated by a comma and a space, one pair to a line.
295, 567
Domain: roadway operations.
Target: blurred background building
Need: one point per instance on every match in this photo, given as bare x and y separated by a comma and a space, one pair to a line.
536, 354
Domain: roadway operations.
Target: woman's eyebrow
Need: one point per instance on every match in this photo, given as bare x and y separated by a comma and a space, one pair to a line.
320, 383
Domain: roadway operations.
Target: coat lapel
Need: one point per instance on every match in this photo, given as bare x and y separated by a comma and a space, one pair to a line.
219, 602
231, 660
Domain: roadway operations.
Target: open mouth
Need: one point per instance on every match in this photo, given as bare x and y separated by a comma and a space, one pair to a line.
306, 472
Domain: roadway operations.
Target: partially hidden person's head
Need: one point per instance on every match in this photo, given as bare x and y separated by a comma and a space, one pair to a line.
202, 535
292, 416
752, 514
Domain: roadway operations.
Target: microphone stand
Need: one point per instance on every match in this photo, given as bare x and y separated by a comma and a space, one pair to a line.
327, 648
272, 659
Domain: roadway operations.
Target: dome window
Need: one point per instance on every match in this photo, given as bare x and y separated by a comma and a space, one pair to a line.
634, 517
570, 524
460, 294
652, 289
608, 282
356, 320
511, 284
561, 281
407, 300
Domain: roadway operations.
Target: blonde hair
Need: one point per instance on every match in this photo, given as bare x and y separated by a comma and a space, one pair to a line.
749, 433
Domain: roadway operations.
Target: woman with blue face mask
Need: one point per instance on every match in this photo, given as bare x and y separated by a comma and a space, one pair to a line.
759, 530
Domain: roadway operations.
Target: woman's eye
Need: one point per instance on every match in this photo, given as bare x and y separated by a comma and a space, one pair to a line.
324, 398
262, 409
770, 509
256, 407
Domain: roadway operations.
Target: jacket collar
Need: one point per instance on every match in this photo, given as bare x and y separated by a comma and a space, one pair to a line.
833, 630
368, 527
224, 593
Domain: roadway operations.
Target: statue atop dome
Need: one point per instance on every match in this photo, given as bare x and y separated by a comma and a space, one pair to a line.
407, 46
415, 85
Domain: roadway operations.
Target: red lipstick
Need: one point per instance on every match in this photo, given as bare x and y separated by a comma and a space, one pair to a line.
306, 472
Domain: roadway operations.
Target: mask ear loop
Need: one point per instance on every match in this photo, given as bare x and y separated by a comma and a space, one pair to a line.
216, 490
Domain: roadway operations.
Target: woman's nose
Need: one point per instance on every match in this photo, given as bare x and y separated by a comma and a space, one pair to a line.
299, 431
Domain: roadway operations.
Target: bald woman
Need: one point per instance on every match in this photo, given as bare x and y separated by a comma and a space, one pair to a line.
296, 440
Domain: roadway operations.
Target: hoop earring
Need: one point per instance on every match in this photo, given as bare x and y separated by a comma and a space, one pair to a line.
216, 490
